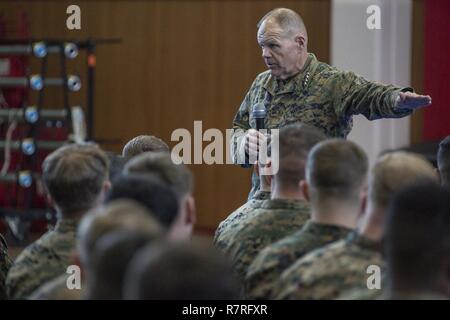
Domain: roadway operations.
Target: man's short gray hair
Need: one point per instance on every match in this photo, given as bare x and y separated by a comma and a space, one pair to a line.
287, 19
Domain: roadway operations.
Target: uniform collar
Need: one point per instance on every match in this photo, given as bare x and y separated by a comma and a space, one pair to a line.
66, 225
323, 228
285, 204
297, 83
364, 242
261, 195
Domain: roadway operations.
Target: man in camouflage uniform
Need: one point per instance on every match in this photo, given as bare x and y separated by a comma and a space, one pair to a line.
5, 264
418, 244
287, 210
76, 179
228, 227
335, 187
327, 272
299, 88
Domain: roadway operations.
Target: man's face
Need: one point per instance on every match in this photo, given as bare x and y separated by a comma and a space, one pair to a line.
280, 52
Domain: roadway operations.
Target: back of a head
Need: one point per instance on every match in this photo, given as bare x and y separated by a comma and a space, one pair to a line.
336, 169
186, 271
288, 20
395, 171
148, 191
295, 142
144, 143
417, 236
160, 165
443, 161
112, 254
117, 215
116, 165
74, 176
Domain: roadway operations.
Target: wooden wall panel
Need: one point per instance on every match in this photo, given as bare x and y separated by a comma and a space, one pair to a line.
178, 61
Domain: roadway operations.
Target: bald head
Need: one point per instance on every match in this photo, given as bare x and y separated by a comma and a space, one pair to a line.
286, 19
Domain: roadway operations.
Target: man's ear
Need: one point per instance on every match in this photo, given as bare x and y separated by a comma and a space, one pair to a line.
267, 168
301, 41
363, 198
438, 175
191, 216
50, 201
107, 186
304, 187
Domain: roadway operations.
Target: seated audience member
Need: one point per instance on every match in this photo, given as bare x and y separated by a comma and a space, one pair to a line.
149, 192
226, 229
335, 186
176, 176
182, 271
443, 161
328, 272
116, 165
417, 244
5, 264
143, 143
287, 210
122, 215
112, 254
75, 178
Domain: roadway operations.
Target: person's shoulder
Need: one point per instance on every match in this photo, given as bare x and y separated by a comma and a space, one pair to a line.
261, 78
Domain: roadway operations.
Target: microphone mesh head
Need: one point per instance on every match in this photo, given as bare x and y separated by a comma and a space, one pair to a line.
259, 110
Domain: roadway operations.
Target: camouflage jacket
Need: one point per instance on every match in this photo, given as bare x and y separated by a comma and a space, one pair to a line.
43, 260
268, 266
227, 228
56, 289
5, 264
327, 272
320, 95
272, 221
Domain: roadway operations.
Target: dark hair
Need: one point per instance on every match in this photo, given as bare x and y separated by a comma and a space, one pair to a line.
180, 271
160, 199
74, 175
112, 254
417, 234
144, 143
443, 161
336, 168
116, 165
295, 142
160, 165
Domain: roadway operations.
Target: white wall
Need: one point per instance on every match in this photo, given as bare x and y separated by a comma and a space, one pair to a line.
383, 55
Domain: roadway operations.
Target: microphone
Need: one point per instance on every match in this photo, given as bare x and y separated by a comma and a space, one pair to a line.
259, 114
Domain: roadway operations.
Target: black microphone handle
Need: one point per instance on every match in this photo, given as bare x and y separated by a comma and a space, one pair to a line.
259, 123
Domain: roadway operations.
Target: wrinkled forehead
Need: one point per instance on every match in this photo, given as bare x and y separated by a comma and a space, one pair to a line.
270, 30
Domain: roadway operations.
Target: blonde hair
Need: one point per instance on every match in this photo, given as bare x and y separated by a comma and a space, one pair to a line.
394, 171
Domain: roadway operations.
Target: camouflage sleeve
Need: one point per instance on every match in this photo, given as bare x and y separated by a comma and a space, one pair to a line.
240, 126
5, 264
357, 95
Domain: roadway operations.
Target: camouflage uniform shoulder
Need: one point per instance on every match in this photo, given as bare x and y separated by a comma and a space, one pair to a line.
56, 289
361, 294
5, 265
327, 272
42, 260
274, 259
275, 220
234, 222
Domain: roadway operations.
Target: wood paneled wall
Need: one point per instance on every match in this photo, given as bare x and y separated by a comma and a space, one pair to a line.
178, 61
